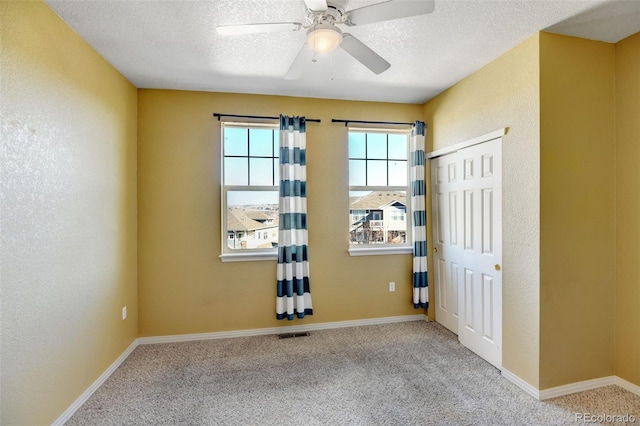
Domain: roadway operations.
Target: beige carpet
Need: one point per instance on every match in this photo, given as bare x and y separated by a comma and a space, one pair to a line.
413, 373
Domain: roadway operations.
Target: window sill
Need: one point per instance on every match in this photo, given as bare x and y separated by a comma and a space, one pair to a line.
376, 251
248, 257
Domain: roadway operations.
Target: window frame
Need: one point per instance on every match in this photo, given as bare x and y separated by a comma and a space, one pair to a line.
227, 253
384, 248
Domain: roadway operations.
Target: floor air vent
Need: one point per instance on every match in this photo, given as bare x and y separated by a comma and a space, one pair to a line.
290, 335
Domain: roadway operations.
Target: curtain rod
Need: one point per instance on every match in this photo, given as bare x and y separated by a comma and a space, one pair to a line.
219, 115
346, 122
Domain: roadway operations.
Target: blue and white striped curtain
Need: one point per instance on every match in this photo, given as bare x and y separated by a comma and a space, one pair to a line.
294, 295
419, 214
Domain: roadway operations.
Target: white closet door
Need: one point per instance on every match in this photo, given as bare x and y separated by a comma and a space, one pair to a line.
469, 251
445, 204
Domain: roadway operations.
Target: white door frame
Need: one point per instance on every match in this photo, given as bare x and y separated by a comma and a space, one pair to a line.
475, 141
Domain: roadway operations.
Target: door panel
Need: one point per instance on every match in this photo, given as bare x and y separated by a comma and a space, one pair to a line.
488, 328
487, 221
468, 300
468, 219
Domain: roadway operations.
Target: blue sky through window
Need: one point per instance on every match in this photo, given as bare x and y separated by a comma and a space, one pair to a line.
377, 159
251, 159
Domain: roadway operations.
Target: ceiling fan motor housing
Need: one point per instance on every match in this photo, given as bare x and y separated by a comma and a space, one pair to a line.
333, 14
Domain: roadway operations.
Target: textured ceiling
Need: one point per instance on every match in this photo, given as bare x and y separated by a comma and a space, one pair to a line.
174, 45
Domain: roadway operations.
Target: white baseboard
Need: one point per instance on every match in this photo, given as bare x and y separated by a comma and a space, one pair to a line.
576, 387
627, 385
571, 387
94, 386
520, 383
278, 330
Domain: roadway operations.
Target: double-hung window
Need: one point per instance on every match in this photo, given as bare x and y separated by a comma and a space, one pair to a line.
378, 191
250, 180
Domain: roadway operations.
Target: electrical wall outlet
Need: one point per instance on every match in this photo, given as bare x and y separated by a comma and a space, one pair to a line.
124, 313
392, 286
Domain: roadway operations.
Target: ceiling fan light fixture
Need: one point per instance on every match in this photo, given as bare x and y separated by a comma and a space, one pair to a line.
324, 37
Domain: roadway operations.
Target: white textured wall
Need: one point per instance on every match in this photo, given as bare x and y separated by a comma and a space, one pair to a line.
68, 214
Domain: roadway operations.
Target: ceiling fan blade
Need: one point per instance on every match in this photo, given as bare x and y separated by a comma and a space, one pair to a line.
316, 5
300, 63
388, 10
275, 27
364, 54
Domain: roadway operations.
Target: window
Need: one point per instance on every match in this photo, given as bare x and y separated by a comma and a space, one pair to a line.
358, 215
378, 188
250, 178
398, 213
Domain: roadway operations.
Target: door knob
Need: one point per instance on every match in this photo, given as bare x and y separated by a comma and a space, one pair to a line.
435, 249
497, 267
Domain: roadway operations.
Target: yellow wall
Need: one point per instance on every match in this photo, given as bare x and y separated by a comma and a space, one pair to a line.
577, 209
68, 256
627, 319
505, 93
183, 285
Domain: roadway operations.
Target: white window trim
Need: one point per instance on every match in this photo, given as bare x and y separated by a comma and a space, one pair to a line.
387, 249
228, 254
251, 256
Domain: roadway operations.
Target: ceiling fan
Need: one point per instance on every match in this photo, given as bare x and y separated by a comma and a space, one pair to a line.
324, 35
